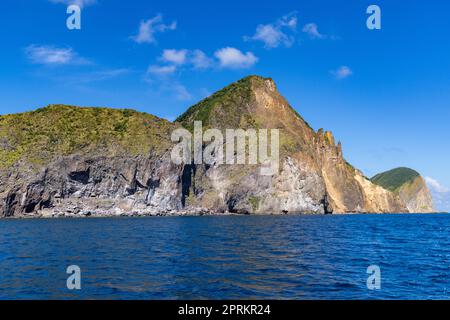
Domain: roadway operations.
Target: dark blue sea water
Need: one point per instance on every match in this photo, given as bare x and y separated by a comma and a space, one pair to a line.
227, 257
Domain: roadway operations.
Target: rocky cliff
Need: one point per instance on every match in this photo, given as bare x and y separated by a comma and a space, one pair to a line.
314, 176
71, 161
409, 186
63, 160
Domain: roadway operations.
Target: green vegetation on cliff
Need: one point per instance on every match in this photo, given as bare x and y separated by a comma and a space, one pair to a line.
229, 101
227, 107
392, 180
109, 155
57, 130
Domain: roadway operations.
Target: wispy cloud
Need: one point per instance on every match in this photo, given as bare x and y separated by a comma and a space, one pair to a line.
440, 194
149, 28
98, 75
161, 70
54, 59
235, 59
81, 79
436, 186
200, 60
278, 33
342, 72
181, 93
312, 30
162, 78
80, 3
51, 55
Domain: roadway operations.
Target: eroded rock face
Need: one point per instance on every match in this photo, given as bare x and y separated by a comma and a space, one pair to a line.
417, 196
409, 186
313, 175
95, 186
378, 199
243, 190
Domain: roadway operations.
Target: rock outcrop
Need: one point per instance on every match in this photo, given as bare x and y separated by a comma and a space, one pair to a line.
314, 176
409, 186
71, 161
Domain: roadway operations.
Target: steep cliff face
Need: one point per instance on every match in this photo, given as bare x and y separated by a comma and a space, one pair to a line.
348, 190
409, 186
63, 160
254, 103
314, 177
70, 161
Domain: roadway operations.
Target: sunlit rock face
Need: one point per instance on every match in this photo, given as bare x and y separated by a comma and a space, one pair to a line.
409, 186
314, 176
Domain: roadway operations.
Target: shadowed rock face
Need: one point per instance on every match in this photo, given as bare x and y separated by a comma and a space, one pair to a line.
62, 160
87, 161
88, 185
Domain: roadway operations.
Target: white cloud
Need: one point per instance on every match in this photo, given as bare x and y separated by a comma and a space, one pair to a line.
276, 34
80, 3
163, 75
177, 57
148, 29
161, 70
289, 20
50, 55
174, 59
271, 36
196, 59
436, 186
200, 60
234, 58
313, 31
342, 72
440, 194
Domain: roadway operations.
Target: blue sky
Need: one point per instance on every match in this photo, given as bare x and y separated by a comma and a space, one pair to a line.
384, 93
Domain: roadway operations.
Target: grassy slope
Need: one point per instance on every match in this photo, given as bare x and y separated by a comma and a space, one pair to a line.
40, 135
230, 100
392, 180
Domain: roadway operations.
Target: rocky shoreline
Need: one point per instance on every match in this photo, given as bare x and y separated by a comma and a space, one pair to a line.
89, 214
118, 213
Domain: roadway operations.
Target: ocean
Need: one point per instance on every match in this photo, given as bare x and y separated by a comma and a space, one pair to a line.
227, 257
